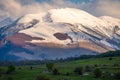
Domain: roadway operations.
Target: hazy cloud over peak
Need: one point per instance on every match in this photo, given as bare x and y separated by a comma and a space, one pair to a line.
17, 8
109, 7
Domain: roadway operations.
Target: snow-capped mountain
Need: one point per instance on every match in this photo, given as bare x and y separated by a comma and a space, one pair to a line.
61, 33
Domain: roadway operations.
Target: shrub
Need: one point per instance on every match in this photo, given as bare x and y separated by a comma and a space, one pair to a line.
87, 68
1, 72
10, 78
106, 74
78, 70
67, 74
41, 77
19, 68
97, 73
95, 65
11, 68
110, 58
117, 75
50, 66
55, 72
116, 65
104, 65
31, 67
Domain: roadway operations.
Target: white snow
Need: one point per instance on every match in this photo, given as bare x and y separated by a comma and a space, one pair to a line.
70, 15
46, 31
29, 17
106, 43
55, 20
110, 20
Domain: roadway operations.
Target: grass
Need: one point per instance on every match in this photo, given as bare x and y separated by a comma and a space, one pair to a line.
26, 74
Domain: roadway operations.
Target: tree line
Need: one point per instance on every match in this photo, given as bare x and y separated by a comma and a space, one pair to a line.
36, 62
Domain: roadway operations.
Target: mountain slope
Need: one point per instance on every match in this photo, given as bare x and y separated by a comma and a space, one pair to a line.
63, 30
76, 23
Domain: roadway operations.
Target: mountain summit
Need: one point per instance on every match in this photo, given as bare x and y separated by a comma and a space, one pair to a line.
59, 33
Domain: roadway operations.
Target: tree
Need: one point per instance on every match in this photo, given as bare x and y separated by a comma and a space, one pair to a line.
50, 66
1, 72
117, 75
78, 70
67, 74
110, 58
116, 65
10, 78
55, 72
96, 65
41, 77
87, 68
97, 73
31, 67
11, 68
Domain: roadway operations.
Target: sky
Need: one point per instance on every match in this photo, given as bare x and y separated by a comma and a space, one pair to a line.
17, 8
74, 1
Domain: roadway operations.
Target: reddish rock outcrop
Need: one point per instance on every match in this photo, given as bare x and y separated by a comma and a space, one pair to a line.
22, 39
63, 36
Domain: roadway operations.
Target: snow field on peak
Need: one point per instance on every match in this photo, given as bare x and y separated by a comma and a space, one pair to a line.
110, 20
54, 20
29, 17
47, 31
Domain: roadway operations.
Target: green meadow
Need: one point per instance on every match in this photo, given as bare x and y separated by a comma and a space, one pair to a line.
107, 66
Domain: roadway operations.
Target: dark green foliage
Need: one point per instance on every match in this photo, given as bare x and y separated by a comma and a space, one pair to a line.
106, 54
104, 65
50, 66
116, 65
87, 68
67, 74
110, 58
97, 73
10, 78
11, 68
117, 75
31, 67
1, 72
78, 70
55, 72
19, 68
41, 77
109, 54
95, 65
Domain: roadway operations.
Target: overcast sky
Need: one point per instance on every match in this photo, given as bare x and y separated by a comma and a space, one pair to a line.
17, 8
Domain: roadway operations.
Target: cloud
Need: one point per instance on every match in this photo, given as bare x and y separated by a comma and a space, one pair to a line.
109, 7
103, 8
17, 8
9, 9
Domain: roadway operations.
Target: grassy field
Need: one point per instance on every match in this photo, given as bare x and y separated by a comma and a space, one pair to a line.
106, 65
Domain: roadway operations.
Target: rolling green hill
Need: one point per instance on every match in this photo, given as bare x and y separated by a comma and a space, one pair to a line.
106, 65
